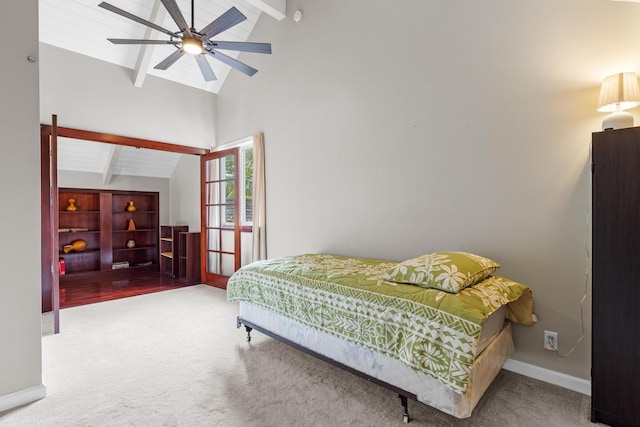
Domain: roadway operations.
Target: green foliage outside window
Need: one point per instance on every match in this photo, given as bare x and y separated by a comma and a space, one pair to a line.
247, 183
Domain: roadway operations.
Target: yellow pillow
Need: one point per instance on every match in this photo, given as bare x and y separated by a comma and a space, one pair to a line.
447, 271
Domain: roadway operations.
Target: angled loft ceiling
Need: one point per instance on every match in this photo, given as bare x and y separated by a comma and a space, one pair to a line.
110, 160
82, 27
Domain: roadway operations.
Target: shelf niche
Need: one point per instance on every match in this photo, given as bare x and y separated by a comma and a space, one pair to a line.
101, 219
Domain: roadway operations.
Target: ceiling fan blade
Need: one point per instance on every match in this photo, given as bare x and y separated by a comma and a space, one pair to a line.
126, 14
225, 21
233, 63
138, 41
177, 16
205, 68
242, 46
169, 60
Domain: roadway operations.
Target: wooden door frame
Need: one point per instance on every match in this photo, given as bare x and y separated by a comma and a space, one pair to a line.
49, 211
124, 140
213, 279
49, 205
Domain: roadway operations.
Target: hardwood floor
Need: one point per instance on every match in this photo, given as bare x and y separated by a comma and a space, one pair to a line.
80, 292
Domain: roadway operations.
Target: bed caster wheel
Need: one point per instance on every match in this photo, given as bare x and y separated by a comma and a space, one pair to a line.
405, 408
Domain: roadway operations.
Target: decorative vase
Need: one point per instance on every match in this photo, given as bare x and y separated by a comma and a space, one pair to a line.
132, 225
72, 205
75, 246
131, 207
131, 244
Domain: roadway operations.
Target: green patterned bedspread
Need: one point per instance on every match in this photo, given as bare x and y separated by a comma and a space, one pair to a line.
431, 331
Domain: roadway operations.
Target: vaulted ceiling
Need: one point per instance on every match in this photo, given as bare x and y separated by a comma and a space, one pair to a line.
110, 160
83, 27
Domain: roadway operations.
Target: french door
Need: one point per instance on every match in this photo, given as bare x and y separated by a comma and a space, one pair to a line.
220, 216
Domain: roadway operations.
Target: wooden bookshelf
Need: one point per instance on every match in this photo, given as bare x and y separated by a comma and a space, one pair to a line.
169, 235
101, 219
189, 257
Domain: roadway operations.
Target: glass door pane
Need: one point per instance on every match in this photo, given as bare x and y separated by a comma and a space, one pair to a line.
220, 221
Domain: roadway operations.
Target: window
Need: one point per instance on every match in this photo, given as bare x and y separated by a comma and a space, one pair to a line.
245, 162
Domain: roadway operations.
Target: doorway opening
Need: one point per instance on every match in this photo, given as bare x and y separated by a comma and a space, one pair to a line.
108, 283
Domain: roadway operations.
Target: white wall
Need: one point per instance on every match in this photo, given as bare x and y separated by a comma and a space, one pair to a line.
94, 95
393, 129
74, 179
21, 355
185, 193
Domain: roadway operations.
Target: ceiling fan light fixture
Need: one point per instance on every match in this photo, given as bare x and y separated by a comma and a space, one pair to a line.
197, 43
192, 45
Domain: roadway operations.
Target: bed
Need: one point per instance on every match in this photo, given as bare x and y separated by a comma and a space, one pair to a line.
435, 328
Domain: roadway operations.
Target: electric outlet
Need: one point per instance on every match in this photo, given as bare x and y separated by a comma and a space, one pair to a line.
551, 340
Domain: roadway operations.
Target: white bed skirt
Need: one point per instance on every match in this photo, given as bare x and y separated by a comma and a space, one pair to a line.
427, 389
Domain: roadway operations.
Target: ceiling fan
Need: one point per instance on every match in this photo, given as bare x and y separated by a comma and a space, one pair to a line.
197, 43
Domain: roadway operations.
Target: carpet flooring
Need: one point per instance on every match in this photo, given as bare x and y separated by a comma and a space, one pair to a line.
175, 358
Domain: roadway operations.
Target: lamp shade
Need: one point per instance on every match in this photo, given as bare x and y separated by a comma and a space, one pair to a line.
619, 92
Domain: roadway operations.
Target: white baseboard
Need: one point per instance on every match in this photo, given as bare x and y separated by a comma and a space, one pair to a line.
22, 397
549, 376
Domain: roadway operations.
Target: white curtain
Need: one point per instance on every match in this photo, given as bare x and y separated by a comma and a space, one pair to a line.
259, 244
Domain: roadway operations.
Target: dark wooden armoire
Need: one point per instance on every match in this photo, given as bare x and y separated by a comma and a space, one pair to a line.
615, 365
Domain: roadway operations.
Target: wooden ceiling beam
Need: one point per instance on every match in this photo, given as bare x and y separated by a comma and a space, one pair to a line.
112, 161
275, 8
146, 51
